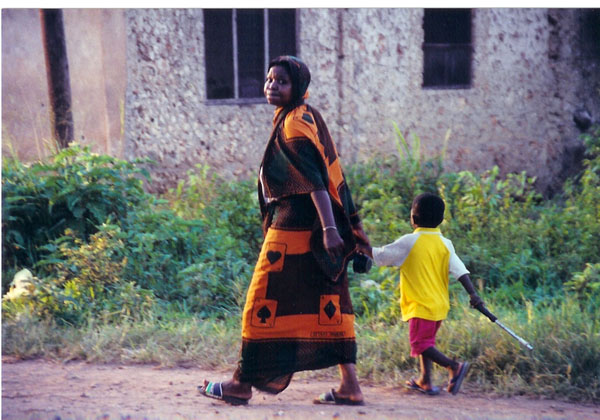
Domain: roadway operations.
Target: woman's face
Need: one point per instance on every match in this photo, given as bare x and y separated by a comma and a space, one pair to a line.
278, 86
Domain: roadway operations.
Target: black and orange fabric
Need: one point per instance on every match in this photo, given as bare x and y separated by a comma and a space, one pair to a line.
296, 317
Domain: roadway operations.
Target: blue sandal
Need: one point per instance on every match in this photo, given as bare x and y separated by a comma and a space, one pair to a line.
455, 383
412, 384
215, 390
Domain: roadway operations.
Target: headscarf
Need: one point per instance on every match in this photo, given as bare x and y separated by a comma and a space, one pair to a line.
299, 75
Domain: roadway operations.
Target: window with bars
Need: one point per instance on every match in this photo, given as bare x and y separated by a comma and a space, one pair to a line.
239, 43
447, 48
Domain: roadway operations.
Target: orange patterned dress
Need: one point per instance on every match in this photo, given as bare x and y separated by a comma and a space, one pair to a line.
297, 316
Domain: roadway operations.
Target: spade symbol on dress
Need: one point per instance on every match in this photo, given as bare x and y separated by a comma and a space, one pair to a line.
329, 309
263, 314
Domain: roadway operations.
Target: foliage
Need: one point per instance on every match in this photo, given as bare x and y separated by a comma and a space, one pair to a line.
77, 190
157, 246
513, 242
230, 208
585, 286
384, 187
129, 269
85, 282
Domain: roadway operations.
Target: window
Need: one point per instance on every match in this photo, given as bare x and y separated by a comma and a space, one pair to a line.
447, 48
239, 44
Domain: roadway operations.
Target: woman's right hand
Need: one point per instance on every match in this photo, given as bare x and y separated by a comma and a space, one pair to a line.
359, 235
333, 243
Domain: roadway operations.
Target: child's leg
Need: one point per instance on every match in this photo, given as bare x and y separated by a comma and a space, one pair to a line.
440, 358
426, 369
457, 371
422, 337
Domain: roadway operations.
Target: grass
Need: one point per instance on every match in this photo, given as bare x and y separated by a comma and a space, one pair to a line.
564, 364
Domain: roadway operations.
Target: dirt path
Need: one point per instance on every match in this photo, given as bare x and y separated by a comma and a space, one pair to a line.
48, 390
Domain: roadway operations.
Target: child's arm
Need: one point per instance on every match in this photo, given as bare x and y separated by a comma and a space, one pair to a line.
392, 254
475, 300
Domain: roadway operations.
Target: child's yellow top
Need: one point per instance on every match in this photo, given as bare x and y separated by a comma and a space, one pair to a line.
425, 259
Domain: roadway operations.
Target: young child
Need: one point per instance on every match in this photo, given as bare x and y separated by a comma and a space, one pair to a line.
426, 259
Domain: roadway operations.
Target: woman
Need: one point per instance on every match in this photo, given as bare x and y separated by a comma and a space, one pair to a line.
298, 314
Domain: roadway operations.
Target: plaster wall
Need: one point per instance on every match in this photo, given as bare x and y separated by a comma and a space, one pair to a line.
96, 53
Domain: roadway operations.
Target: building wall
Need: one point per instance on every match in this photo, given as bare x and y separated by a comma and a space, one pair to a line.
138, 86
96, 52
167, 118
367, 74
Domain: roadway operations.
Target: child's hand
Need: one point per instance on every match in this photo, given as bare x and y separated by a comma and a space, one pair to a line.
365, 249
475, 300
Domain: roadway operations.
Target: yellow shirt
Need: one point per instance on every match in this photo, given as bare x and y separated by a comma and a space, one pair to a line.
425, 259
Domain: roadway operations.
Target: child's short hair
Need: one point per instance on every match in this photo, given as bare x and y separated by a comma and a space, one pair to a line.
428, 210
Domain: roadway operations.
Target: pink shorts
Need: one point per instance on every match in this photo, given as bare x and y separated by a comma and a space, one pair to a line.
421, 333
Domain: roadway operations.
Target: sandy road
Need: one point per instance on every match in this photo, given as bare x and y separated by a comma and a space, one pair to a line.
41, 389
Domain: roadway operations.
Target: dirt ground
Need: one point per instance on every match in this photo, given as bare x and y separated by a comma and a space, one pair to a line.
41, 389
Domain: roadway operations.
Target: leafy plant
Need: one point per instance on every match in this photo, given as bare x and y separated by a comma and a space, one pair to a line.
76, 190
85, 280
585, 285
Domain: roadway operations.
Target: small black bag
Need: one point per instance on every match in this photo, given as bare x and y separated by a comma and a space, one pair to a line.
361, 263
333, 268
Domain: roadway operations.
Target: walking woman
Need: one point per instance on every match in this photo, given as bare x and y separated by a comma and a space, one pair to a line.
298, 314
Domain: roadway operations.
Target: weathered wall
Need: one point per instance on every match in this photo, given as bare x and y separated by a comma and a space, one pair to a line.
25, 115
367, 73
529, 77
532, 70
167, 118
96, 53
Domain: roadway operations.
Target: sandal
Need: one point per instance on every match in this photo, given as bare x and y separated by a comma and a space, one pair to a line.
412, 384
455, 383
331, 398
215, 390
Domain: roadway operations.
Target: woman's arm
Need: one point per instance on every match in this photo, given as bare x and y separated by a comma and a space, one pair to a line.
332, 241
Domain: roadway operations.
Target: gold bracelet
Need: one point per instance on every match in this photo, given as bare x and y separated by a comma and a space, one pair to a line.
329, 227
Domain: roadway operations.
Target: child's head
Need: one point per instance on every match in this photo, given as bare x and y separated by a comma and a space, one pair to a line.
427, 211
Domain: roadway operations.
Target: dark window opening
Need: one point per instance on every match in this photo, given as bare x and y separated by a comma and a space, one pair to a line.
590, 34
447, 48
239, 44
219, 53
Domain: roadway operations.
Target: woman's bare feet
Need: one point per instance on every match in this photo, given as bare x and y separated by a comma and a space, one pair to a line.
349, 388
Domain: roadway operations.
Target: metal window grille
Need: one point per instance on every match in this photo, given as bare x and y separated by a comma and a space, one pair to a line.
239, 44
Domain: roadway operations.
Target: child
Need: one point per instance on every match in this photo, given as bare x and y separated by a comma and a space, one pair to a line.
425, 259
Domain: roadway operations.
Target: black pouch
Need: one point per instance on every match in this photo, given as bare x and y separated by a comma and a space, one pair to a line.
361, 263
333, 268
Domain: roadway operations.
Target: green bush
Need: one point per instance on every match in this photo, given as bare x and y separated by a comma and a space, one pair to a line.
76, 190
514, 242
85, 281
228, 208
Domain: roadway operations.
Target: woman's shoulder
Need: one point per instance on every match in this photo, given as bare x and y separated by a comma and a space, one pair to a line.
300, 122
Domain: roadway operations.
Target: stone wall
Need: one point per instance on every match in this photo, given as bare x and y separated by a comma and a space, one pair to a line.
167, 118
531, 73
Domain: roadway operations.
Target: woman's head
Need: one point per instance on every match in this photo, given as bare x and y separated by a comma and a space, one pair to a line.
287, 81
427, 210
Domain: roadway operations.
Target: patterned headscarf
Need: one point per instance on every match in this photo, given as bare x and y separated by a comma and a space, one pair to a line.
299, 74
